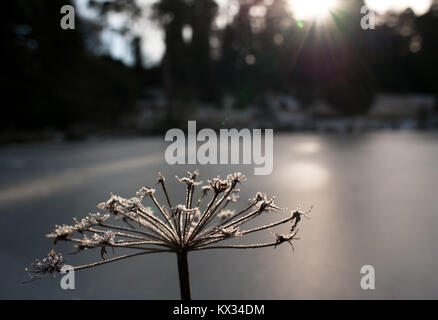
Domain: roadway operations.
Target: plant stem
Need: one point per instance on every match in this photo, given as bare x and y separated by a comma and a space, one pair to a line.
183, 272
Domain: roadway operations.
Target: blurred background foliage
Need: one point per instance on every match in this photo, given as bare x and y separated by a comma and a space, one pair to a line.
60, 79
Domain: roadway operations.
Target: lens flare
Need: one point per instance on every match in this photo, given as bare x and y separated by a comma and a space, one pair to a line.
311, 9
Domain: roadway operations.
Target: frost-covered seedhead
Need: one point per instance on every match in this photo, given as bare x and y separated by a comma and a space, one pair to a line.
52, 264
145, 192
93, 219
218, 185
197, 224
236, 177
228, 232
62, 232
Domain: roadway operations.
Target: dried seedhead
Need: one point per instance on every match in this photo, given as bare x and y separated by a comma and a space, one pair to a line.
178, 228
52, 264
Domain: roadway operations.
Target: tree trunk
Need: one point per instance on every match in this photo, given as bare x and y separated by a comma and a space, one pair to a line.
184, 278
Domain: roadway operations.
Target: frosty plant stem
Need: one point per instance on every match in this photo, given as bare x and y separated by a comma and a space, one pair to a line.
179, 229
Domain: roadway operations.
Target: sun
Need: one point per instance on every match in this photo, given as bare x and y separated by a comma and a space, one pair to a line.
311, 9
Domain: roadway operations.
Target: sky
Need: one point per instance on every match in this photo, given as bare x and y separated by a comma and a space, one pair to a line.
419, 6
153, 38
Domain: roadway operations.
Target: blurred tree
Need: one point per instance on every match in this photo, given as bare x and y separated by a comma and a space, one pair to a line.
280, 47
239, 56
187, 64
427, 62
35, 54
138, 55
55, 78
173, 15
49, 78
202, 14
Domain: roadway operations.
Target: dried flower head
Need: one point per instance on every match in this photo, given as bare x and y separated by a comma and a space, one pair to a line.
52, 264
218, 185
191, 226
145, 192
93, 219
236, 177
229, 232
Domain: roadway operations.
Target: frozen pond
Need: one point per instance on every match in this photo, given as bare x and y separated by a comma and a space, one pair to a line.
375, 198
